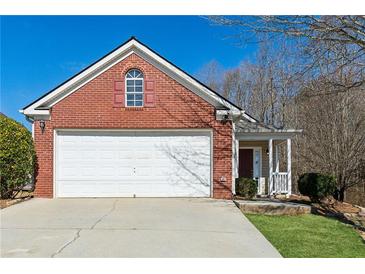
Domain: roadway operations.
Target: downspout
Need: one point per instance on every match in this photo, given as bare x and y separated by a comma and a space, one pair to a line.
31, 120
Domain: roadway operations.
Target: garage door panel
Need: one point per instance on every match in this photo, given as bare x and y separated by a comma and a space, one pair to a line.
88, 172
123, 190
88, 188
123, 171
124, 164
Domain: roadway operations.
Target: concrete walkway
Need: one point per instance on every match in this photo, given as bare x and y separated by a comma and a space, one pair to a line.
128, 227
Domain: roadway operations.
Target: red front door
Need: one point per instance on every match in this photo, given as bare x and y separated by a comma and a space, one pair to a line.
245, 166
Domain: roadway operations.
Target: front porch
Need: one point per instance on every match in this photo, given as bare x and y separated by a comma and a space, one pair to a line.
264, 154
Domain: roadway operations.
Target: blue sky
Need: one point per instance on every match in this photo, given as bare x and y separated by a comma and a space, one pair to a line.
40, 52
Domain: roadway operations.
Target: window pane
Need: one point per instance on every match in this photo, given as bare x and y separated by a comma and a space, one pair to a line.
134, 88
130, 103
134, 73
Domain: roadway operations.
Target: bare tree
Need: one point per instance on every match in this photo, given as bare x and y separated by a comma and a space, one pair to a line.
336, 42
237, 85
338, 29
264, 87
333, 140
211, 75
308, 73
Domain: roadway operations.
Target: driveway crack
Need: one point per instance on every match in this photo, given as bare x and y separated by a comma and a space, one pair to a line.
106, 214
77, 235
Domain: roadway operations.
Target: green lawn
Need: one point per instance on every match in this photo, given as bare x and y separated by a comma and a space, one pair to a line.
310, 236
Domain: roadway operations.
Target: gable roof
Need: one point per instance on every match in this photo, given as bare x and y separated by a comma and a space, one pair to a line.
42, 105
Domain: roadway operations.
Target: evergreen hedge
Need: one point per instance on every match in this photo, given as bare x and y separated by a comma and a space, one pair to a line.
316, 185
17, 157
246, 187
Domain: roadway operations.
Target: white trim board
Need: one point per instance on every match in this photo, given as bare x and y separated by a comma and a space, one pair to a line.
138, 129
266, 136
130, 47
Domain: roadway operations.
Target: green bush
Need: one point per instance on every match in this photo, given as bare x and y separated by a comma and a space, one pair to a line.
316, 186
17, 157
246, 187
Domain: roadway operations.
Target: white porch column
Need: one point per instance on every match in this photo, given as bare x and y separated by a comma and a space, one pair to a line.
271, 178
288, 144
277, 158
235, 153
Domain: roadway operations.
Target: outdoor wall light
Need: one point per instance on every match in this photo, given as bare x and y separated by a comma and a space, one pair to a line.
225, 118
42, 125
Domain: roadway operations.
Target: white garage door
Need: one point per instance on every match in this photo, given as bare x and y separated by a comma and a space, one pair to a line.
127, 164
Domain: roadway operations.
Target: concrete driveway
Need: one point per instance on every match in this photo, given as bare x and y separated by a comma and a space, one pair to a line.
127, 227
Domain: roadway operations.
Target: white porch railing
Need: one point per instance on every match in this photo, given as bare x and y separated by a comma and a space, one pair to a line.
281, 185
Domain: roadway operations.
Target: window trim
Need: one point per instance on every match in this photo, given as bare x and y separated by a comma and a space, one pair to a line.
134, 92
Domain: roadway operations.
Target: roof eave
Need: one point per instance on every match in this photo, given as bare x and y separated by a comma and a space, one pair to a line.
275, 134
83, 76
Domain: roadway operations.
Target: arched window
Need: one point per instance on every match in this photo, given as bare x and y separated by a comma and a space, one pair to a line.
134, 88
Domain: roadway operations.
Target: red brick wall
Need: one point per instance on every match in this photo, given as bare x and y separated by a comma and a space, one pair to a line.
176, 107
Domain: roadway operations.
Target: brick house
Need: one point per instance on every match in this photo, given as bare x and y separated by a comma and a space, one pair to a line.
133, 124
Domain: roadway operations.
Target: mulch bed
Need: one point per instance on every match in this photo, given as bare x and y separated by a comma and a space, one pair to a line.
25, 196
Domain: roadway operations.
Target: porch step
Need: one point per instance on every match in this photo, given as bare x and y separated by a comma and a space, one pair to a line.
272, 207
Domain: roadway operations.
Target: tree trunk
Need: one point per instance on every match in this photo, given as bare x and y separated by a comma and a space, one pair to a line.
339, 194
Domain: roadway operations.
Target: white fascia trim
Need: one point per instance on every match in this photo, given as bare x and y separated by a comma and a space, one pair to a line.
221, 114
90, 77
131, 47
189, 81
233, 115
245, 115
78, 81
261, 136
32, 112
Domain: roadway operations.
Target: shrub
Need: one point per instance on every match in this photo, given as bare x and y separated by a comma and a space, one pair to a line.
316, 186
17, 157
246, 187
